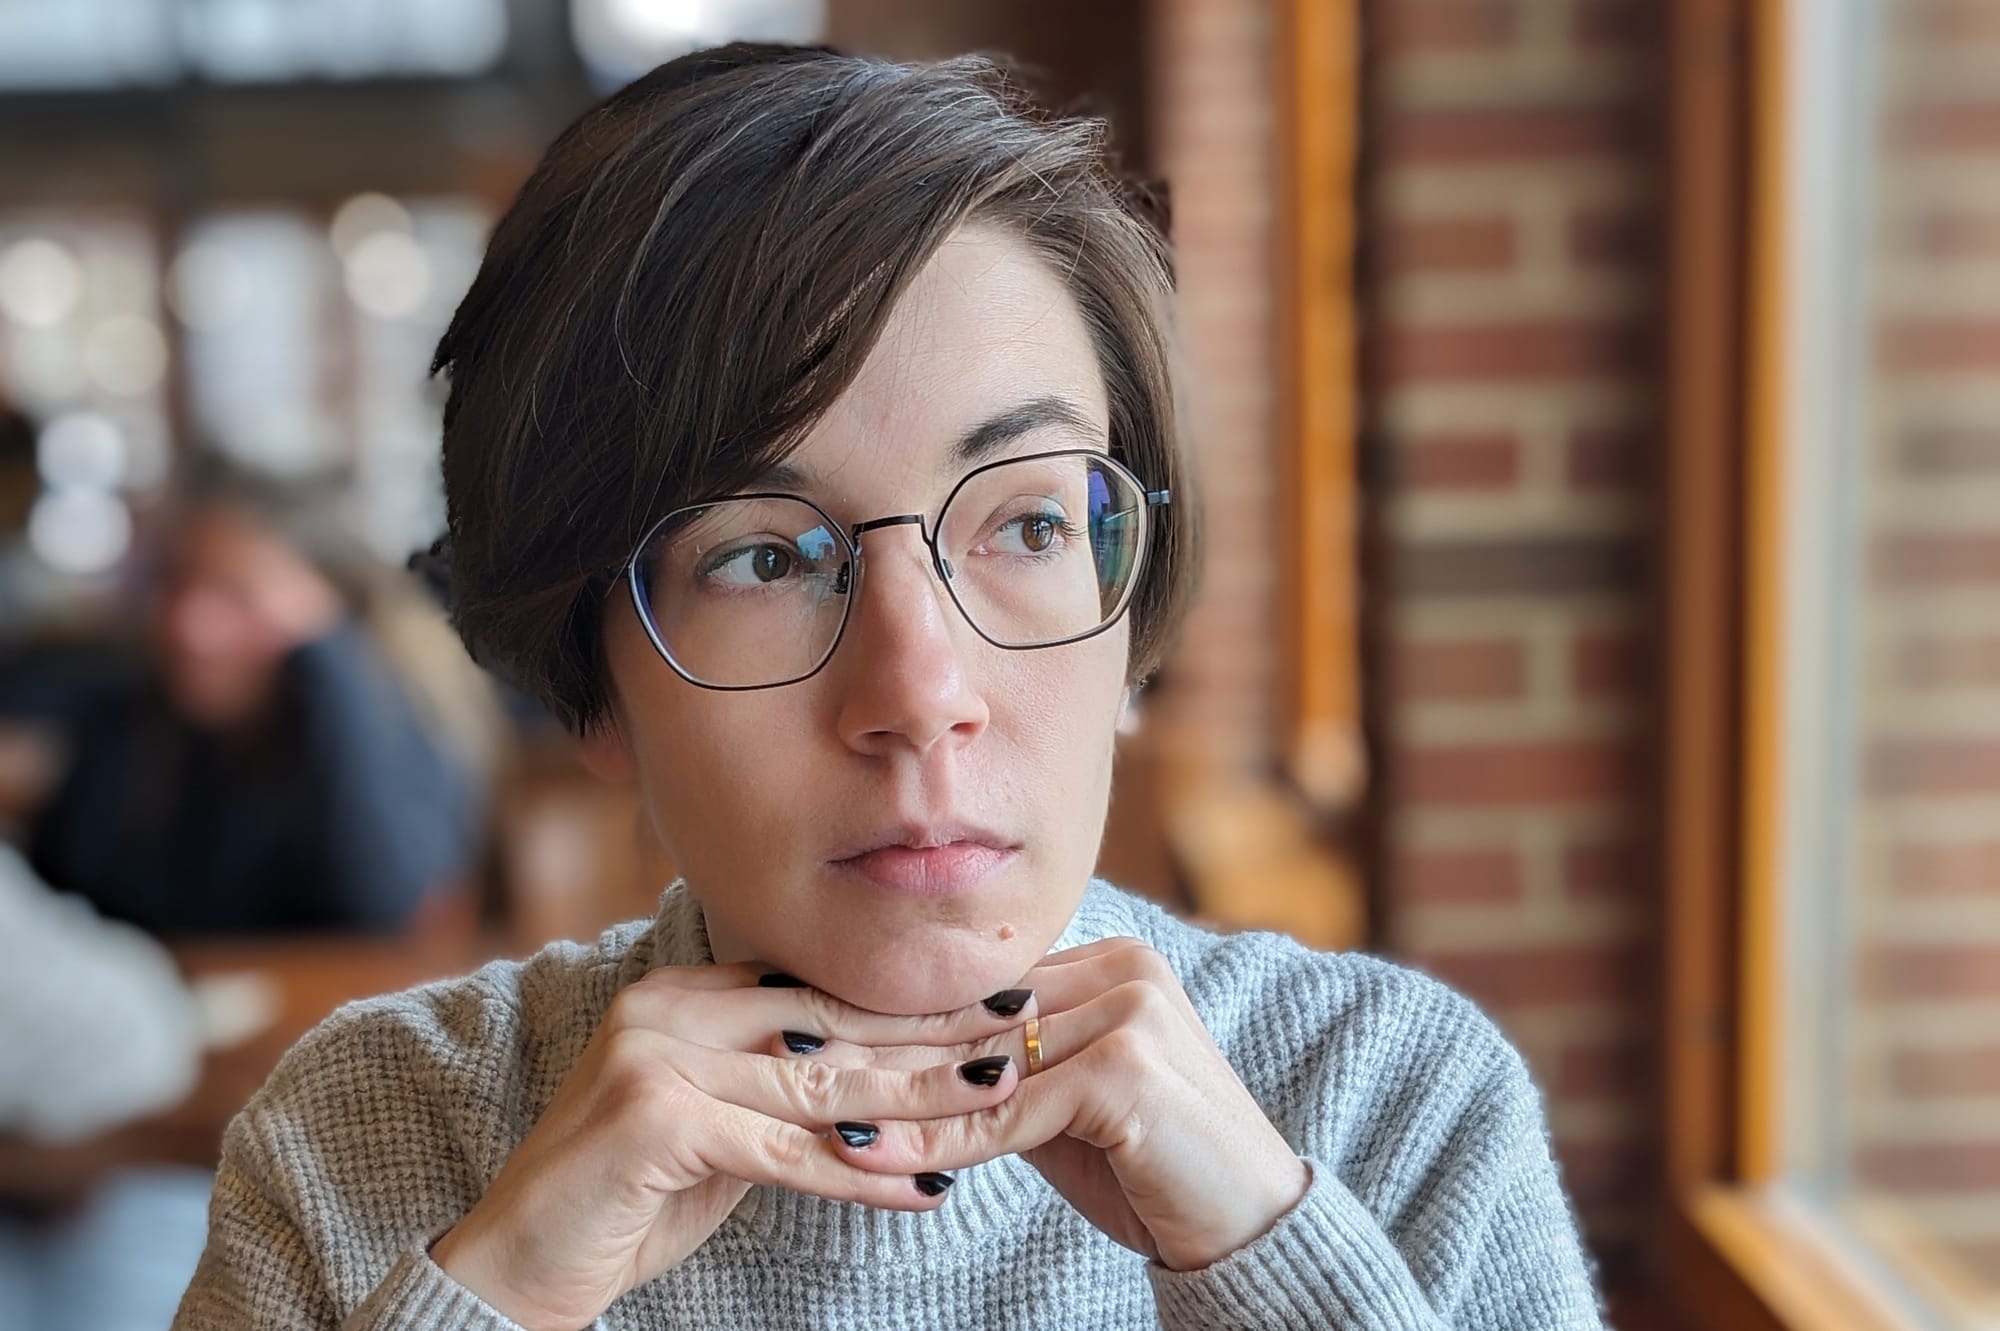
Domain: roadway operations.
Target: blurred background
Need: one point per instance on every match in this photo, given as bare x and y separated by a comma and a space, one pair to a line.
1597, 404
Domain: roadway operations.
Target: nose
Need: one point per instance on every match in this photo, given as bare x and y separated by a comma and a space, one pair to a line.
905, 686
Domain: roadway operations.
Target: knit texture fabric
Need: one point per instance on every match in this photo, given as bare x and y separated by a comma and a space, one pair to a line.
1434, 1202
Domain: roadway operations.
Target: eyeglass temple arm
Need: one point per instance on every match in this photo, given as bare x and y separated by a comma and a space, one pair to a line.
1159, 498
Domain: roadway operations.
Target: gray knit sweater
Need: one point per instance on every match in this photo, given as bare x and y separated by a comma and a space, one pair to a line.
1434, 1200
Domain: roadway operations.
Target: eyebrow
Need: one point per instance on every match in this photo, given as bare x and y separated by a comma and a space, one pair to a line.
976, 445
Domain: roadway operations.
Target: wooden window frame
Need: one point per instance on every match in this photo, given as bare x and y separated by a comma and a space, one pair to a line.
1740, 1253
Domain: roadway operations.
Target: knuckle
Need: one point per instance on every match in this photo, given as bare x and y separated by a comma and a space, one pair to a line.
785, 1152
1122, 1051
1140, 1003
815, 1088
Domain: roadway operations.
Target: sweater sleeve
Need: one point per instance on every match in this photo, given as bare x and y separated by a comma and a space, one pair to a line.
371, 1138
1435, 1201
259, 1270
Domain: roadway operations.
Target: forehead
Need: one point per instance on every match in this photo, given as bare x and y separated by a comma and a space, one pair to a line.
984, 329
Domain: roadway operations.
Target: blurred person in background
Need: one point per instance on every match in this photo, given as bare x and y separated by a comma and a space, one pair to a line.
97, 1029
308, 751
23, 579
811, 451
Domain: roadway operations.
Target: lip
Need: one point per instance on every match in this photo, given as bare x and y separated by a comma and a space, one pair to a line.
934, 862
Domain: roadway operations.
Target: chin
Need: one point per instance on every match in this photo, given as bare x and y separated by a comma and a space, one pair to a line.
908, 980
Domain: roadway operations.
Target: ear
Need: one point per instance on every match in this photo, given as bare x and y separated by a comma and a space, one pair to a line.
607, 755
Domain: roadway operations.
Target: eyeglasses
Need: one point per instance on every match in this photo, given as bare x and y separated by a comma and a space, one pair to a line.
754, 591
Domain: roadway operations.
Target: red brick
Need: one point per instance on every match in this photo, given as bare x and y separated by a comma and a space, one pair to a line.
1471, 669
1957, 235
1460, 462
1511, 133
1907, 559
1947, 1072
1939, 970
1450, 245
1622, 239
1930, 1167
1606, 24
1514, 349
1485, 876
1950, 452
1935, 767
1969, 869
1504, 775
1602, 1069
1418, 26
1600, 868
1598, 1172
1946, 127
1606, 664
1939, 346
1523, 977
1606, 458
1947, 22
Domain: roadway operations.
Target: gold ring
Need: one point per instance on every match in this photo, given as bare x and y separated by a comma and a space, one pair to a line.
1032, 1032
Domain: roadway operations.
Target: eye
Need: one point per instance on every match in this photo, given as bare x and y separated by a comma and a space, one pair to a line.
752, 565
1030, 534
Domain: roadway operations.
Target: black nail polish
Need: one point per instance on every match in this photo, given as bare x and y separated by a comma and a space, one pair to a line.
930, 1185
1008, 1002
860, 1136
985, 1071
780, 980
801, 1043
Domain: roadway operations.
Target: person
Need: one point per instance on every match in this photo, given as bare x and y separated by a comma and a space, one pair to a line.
303, 752
811, 450
97, 1029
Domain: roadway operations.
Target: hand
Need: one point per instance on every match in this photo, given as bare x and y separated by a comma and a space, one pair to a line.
686, 1095
1136, 1117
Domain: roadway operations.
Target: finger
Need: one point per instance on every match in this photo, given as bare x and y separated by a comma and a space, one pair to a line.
1073, 977
899, 1057
1046, 1107
746, 1145
816, 1095
1086, 1088
744, 1018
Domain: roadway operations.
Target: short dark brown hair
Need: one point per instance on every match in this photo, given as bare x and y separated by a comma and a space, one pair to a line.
694, 273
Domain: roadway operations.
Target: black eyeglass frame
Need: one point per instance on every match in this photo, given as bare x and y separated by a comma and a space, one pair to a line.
850, 539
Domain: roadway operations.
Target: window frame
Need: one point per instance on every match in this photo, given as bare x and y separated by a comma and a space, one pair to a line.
1740, 1253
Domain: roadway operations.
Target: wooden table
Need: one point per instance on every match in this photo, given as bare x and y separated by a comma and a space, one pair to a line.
310, 978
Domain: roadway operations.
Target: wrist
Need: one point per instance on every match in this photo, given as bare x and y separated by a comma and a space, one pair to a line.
1259, 1217
465, 1257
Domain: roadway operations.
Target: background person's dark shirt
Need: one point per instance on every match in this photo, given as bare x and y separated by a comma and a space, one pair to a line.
340, 815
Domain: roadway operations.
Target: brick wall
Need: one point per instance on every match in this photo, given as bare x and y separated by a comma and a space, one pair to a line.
1922, 1062
1214, 130
1511, 372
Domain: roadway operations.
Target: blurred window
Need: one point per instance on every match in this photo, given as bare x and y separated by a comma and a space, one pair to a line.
1891, 829
622, 39
108, 43
84, 354
309, 342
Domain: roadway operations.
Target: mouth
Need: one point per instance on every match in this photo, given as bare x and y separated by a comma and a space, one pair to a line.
930, 863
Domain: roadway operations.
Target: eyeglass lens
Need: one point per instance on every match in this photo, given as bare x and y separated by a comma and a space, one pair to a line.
753, 591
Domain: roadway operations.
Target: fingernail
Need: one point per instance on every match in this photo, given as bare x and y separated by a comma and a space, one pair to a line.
779, 980
801, 1043
985, 1071
860, 1136
930, 1185
1008, 1002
